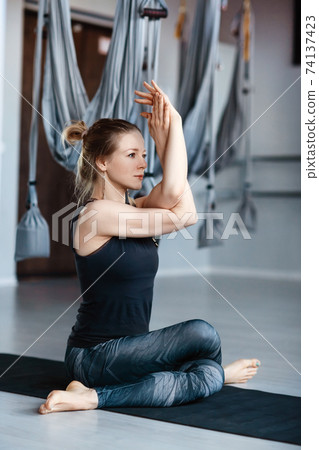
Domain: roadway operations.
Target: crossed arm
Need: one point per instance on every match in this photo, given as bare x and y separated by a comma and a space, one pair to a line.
165, 126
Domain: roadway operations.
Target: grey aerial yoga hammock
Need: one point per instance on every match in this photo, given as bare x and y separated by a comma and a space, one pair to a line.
206, 151
32, 234
236, 117
196, 106
134, 40
247, 209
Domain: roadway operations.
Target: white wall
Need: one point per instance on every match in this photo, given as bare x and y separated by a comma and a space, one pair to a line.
3, 6
275, 249
9, 182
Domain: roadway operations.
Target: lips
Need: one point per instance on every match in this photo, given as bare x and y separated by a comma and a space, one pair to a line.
139, 176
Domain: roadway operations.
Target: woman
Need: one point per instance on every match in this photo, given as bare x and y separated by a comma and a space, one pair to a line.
112, 357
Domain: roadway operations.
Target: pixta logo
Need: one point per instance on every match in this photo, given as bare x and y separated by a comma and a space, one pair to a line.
234, 225
66, 224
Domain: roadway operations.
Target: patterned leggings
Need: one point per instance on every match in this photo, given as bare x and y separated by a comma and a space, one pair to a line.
170, 366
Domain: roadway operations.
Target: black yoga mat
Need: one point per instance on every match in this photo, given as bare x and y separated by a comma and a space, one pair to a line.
233, 410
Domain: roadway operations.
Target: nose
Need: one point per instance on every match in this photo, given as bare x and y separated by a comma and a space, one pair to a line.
143, 163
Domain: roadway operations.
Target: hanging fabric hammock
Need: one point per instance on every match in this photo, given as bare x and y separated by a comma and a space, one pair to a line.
134, 40
247, 208
231, 122
32, 233
132, 37
196, 106
236, 117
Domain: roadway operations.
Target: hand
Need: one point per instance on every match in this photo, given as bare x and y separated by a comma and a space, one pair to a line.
161, 117
153, 90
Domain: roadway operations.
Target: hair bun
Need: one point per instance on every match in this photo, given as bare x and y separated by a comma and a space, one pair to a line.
84, 133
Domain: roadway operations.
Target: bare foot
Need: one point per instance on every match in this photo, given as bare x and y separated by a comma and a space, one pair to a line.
241, 370
75, 397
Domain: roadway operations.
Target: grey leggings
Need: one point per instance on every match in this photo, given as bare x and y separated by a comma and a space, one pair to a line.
170, 366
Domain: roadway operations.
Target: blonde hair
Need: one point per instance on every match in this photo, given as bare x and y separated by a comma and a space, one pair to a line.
98, 140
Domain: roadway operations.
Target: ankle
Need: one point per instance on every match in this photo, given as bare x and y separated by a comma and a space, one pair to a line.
94, 399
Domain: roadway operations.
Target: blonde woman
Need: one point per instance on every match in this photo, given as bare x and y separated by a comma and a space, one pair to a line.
111, 356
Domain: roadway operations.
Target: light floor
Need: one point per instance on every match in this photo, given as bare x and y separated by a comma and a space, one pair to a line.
255, 318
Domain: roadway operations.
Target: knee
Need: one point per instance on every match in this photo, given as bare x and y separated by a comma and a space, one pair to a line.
205, 333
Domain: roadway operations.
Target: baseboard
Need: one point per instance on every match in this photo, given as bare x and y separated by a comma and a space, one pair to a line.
231, 272
234, 272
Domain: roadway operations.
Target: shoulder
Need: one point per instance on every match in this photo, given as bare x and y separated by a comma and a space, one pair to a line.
104, 204
106, 208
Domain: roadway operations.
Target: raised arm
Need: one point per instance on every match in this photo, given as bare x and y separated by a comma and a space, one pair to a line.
165, 125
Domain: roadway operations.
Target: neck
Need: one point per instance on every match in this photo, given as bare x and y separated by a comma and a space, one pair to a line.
106, 189
111, 193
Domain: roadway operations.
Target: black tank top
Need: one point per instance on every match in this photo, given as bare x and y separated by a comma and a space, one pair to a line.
116, 283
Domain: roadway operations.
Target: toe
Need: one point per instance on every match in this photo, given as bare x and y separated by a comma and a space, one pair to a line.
50, 403
43, 409
254, 363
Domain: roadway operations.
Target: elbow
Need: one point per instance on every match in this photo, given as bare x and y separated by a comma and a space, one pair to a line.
176, 194
193, 219
170, 199
172, 194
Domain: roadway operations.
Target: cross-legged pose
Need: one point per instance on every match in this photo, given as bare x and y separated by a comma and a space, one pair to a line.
111, 356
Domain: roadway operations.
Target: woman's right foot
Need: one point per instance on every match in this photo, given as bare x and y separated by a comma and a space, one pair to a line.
241, 370
76, 397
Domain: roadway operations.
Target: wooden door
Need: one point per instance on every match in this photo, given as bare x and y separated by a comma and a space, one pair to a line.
54, 183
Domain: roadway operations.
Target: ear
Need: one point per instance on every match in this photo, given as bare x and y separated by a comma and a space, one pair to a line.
101, 163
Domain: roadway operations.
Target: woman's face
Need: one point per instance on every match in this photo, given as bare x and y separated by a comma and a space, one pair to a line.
128, 161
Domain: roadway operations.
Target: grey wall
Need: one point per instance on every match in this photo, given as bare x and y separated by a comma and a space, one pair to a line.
274, 251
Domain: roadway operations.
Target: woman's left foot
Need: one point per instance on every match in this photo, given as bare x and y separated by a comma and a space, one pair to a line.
76, 397
241, 370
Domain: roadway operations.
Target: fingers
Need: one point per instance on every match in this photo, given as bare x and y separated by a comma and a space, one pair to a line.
166, 116
150, 95
146, 115
160, 103
143, 101
158, 109
149, 87
156, 98
158, 89
147, 99
144, 94
152, 89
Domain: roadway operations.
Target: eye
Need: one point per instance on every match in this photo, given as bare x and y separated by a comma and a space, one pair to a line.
144, 156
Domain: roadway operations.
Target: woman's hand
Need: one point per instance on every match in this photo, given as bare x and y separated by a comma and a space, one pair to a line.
166, 128
162, 116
